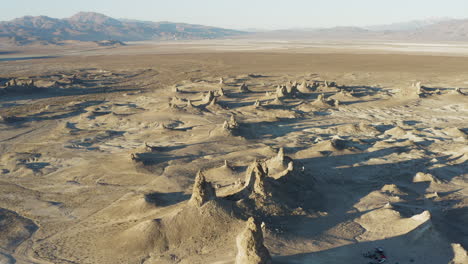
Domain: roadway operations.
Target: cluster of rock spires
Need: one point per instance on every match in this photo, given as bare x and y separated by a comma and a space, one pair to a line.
259, 186
290, 90
294, 89
21, 86
321, 101
208, 99
28, 85
421, 92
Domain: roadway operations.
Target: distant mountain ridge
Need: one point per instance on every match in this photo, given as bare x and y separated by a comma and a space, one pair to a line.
409, 25
442, 30
89, 26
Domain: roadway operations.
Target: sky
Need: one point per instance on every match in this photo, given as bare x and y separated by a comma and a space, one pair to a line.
247, 14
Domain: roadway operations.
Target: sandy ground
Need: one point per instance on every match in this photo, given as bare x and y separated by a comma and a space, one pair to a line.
98, 158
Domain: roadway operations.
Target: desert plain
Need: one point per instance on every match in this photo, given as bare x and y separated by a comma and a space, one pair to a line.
165, 153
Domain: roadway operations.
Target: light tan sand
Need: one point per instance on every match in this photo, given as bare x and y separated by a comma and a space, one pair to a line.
99, 168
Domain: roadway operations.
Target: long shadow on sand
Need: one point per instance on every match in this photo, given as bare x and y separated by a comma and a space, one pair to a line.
343, 178
422, 245
43, 93
166, 199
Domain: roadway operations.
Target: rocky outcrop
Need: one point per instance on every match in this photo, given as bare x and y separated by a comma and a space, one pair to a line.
202, 191
250, 247
23, 86
420, 92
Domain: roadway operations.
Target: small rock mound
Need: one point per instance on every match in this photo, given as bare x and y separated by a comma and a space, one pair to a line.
228, 128
250, 248
458, 91
455, 132
396, 132
392, 189
322, 102
357, 129
425, 177
231, 125
244, 88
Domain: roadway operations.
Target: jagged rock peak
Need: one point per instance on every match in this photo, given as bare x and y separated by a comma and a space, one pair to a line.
255, 178
250, 247
203, 191
221, 92
214, 101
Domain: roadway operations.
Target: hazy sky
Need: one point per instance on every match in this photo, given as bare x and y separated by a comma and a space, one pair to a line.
268, 14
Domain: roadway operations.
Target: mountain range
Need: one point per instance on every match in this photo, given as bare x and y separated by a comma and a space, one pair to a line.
89, 26
436, 31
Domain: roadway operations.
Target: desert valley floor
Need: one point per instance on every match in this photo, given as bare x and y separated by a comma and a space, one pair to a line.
162, 157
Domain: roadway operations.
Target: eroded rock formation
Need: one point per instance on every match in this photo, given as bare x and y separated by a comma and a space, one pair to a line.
203, 191
250, 247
